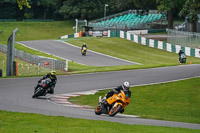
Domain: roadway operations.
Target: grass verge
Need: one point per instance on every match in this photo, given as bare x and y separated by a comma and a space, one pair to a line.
36, 30
117, 47
11, 122
175, 101
131, 51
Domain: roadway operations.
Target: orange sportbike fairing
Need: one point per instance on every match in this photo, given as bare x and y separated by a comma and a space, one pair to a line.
120, 98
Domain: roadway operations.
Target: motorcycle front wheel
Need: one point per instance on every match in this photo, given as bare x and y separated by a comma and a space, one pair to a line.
98, 110
114, 110
38, 92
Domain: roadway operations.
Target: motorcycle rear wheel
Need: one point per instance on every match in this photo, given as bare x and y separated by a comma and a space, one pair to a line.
114, 110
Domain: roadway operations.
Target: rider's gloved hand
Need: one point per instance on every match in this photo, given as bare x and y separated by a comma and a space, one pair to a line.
39, 81
116, 92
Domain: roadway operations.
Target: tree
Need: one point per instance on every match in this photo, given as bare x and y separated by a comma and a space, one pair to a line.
8, 13
22, 3
190, 10
144, 4
169, 6
47, 5
92, 9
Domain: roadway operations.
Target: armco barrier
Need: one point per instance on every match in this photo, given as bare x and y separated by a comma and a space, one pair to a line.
149, 42
159, 44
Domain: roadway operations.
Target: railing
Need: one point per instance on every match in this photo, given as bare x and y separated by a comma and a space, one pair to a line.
37, 62
186, 39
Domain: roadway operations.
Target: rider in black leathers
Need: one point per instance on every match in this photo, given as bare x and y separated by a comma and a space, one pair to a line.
52, 76
179, 54
84, 45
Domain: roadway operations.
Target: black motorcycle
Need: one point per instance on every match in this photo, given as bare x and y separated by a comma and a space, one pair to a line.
43, 88
182, 58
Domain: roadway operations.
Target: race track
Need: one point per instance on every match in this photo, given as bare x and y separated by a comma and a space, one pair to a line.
15, 94
73, 53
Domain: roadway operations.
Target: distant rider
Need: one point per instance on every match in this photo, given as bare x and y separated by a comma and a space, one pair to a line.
125, 87
52, 76
179, 54
84, 45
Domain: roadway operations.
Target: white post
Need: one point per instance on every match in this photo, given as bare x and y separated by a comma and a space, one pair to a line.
22, 70
66, 67
27, 67
85, 22
38, 68
105, 11
31, 67
76, 25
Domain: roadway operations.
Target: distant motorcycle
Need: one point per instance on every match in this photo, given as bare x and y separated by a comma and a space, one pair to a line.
43, 89
113, 105
83, 51
182, 58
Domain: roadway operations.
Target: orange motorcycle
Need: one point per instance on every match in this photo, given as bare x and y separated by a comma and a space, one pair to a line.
113, 105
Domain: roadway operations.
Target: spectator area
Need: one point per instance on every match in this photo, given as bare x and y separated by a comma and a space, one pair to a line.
128, 20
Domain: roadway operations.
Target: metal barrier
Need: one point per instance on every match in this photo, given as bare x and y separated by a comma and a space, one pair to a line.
35, 63
185, 39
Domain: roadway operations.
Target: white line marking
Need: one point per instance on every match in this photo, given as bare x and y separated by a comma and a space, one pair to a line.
124, 115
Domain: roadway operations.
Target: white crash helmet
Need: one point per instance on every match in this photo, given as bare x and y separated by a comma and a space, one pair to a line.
126, 86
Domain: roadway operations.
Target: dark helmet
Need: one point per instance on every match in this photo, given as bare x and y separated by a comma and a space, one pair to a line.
52, 74
125, 86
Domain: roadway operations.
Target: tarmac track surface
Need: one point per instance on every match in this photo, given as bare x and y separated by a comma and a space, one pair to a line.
71, 52
15, 94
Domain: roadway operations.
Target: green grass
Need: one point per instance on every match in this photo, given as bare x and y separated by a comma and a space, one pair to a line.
28, 69
36, 30
117, 47
11, 122
131, 51
148, 57
147, 101
175, 101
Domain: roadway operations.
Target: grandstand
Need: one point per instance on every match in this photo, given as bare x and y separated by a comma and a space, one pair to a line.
132, 19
